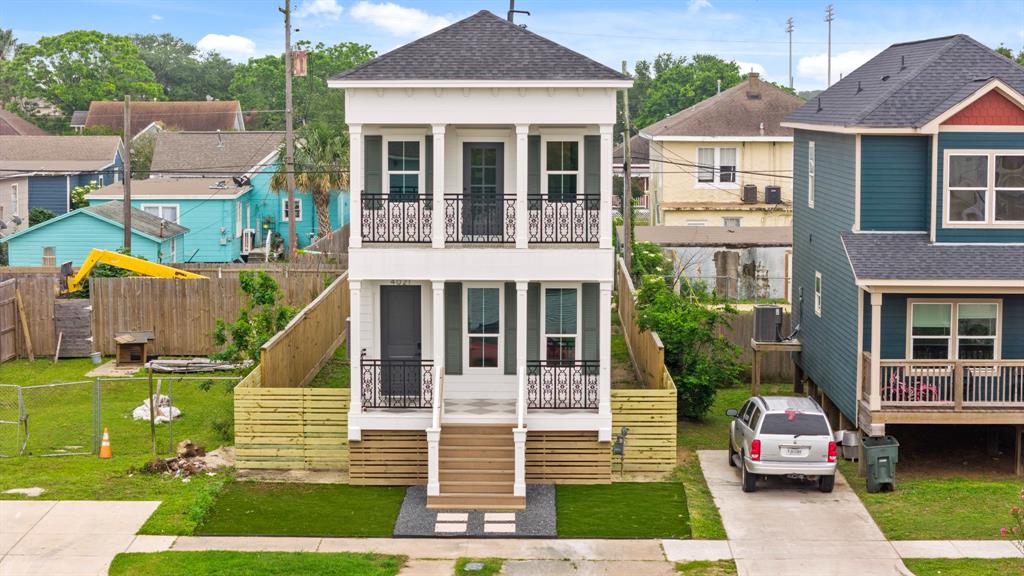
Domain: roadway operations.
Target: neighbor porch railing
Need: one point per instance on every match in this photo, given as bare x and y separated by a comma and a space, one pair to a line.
563, 384
563, 221
480, 218
950, 384
405, 218
396, 383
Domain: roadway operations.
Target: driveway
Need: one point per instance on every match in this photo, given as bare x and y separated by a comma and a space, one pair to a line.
790, 528
69, 538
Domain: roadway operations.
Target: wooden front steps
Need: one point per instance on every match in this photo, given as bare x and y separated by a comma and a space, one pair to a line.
477, 469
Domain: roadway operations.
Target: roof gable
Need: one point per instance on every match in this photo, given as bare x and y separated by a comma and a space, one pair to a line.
482, 47
991, 109
13, 125
58, 153
183, 115
212, 153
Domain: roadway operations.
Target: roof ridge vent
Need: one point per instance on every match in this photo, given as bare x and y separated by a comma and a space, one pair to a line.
819, 104
903, 62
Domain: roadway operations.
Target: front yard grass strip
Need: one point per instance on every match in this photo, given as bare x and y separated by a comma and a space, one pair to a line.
250, 509
218, 563
492, 566
705, 520
622, 510
707, 568
965, 566
938, 508
336, 373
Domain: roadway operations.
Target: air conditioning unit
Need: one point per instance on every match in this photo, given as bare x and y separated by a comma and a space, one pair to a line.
767, 323
772, 195
248, 237
750, 194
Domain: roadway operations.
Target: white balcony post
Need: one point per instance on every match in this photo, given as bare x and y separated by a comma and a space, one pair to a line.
522, 160
354, 356
519, 433
519, 485
875, 402
433, 461
355, 186
605, 240
437, 223
605, 357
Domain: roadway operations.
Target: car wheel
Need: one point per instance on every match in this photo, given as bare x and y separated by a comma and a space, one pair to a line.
749, 479
732, 453
826, 483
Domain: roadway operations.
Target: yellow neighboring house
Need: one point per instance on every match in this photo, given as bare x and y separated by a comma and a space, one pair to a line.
725, 161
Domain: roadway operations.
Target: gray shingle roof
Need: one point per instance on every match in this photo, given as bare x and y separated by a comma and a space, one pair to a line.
143, 222
913, 257
908, 85
225, 154
481, 47
57, 153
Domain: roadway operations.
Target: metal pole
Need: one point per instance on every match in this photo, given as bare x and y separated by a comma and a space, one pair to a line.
126, 179
627, 185
152, 412
170, 417
789, 30
289, 135
97, 415
829, 15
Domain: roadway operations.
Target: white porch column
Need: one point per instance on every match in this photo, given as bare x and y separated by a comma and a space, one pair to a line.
519, 484
433, 461
519, 433
437, 222
605, 357
355, 188
522, 160
354, 354
875, 402
605, 240
438, 328
437, 344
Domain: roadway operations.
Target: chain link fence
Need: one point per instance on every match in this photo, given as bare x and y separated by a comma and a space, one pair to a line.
68, 418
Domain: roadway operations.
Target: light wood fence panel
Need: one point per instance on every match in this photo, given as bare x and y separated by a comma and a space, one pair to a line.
775, 367
38, 293
9, 321
569, 457
389, 457
651, 418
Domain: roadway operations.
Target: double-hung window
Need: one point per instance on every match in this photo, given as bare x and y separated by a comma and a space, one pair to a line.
931, 330
403, 170
966, 330
286, 214
810, 174
562, 168
976, 330
985, 188
817, 294
716, 165
561, 311
168, 212
483, 327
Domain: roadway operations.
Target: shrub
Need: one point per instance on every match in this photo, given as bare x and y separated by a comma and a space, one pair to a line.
260, 318
39, 215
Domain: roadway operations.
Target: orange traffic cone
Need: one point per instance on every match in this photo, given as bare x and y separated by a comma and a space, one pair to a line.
105, 451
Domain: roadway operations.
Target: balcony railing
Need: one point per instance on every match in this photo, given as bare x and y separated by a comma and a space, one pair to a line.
480, 218
950, 384
396, 383
396, 217
563, 384
575, 220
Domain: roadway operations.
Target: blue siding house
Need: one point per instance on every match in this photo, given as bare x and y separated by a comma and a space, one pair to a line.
70, 236
908, 238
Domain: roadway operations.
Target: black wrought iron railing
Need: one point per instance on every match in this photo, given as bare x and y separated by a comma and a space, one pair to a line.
563, 384
573, 220
396, 383
480, 218
396, 217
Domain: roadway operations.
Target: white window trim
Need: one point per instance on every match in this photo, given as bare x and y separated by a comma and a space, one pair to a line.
819, 289
238, 219
990, 194
953, 353
812, 169
579, 172
738, 219
421, 174
174, 250
161, 207
544, 314
15, 199
500, 369
716, 182
284, 208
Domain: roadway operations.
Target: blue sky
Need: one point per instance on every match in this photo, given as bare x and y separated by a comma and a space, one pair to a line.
751, 32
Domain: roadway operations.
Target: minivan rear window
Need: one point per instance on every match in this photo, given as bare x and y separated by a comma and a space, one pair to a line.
793, 423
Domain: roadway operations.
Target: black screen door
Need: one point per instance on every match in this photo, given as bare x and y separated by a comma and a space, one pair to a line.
400, 340
483, 186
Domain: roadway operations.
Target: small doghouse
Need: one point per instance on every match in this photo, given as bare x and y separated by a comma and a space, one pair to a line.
133, 347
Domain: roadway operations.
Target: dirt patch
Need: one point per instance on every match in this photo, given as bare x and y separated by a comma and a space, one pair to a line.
979, 452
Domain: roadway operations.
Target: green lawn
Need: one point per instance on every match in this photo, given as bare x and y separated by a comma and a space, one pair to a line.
623, 510
623, 375
705, 521
939, 508
336, 373
707, 568
44, 371
492, 566
255, 563
965, 567
250, 508
712, 433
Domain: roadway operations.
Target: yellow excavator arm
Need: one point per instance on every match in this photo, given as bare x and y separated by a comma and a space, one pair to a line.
73, 282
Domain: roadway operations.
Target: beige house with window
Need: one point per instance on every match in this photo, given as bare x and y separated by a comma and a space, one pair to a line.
725, 161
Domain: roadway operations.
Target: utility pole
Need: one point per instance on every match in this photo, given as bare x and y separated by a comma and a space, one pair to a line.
126, 178
830, 14
627, 184
289, 134
512, 11
789, 30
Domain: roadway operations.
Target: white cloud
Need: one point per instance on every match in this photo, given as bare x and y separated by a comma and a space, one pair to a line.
156, 17
750, 67
816, 67
398, 20
696, 6
326, 9
230, 46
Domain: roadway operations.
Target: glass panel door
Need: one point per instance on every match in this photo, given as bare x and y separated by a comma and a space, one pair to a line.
483, 187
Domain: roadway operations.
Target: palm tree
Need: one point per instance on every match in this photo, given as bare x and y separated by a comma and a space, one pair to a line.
8, 44
320, 160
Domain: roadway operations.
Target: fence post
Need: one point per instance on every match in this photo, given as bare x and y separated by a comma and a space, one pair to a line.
152, 412
97, 413
170, 417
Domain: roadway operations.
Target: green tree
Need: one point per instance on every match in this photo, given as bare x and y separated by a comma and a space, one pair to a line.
142, 155
261, 317
679, 83
39, 215
1008, 52
182, 70
8, 44
259, 85
75, 68
321, 161
78, 193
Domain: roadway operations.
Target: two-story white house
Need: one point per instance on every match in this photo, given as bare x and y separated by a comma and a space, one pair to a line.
481, 261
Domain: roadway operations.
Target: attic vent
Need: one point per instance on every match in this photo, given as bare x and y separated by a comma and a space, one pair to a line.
903, 63
884, 78
819, 103
859, 89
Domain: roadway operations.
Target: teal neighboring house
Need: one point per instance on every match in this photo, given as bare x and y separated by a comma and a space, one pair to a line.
70, 236
908, 240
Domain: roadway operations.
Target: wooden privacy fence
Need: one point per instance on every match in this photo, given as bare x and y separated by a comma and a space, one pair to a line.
774, 367
331, 250
38, 293
645, 346
651, 418
290, 428
294, 355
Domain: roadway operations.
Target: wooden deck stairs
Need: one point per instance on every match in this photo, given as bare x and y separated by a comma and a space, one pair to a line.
477, 469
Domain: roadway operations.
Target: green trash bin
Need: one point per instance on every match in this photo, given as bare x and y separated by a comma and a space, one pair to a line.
881, 453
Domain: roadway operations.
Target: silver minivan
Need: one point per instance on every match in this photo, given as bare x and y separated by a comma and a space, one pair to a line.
782, 435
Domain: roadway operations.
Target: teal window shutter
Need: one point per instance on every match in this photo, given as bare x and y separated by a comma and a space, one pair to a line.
533, 166
453, 328
428, 165
533, 321
591, 304
372, 177
510, 328
592, 168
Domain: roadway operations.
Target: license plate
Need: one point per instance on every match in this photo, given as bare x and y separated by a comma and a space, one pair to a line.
794, 451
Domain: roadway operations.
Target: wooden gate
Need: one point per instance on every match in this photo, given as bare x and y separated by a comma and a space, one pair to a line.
8, 320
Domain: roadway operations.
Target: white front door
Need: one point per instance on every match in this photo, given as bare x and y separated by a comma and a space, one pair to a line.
483, 316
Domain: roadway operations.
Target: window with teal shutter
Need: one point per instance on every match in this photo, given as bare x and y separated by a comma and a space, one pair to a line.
562, 166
